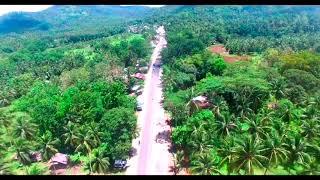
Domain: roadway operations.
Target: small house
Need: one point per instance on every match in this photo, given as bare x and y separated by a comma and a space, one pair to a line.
58, 161
139, 76
201, 101
143, 69
135, 88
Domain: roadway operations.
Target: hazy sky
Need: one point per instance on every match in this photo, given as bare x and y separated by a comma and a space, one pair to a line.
33, 8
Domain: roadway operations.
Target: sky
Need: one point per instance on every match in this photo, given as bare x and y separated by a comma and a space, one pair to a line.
33, 8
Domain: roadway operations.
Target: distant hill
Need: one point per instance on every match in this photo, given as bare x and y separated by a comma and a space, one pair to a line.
20, 22
94, 18
68, 17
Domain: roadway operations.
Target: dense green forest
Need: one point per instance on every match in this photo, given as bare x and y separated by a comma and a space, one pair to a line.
68, 92
264, 113
64, 86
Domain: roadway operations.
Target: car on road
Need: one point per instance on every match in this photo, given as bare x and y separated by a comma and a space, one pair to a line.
120, 164
157, 65
139, 92
139, 106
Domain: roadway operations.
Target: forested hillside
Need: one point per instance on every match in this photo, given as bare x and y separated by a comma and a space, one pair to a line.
260, 116
71, 18
65, 84
246, 29
67, 90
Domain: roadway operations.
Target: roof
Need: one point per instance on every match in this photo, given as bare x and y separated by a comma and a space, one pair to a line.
59, 158
143, 68
200, 98
139, 76
135, 87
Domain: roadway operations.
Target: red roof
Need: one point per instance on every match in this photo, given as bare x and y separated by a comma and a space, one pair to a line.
139, 76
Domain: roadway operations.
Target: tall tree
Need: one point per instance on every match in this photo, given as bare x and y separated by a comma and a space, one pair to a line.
275, 150
206, 163
23, 128
98, 161
48, 145
23, 148
249, 154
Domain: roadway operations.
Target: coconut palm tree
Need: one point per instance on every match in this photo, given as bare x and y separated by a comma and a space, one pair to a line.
287, 111
5, 120
36, 169
219, 104
244, 103
48, 145
199, 136
274, 150
98, 161
23, 128
296, 146
71, 135
179, 161
205, 163
86, 142
22, 147
248, 154
280, 127
258, 125
312, 168
192, 106
225, 124
278, 85
4, 169
95, 132
311, 128
313, 106
227, 151
4, 131
2, 145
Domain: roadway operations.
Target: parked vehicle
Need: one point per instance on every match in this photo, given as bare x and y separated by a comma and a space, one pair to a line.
121, 164
139, 92
156, 65
139, 106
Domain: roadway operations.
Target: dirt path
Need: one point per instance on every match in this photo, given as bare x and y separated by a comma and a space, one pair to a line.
152, 156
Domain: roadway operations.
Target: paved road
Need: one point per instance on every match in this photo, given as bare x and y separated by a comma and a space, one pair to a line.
152, 156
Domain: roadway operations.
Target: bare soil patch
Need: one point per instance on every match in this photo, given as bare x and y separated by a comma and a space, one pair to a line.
222, 51
218, 49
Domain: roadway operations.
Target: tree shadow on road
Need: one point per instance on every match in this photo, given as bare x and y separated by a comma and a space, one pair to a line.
133, 152
163, 137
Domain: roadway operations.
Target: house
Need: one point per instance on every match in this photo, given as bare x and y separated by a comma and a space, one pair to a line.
143, 69
59, 161
201, 101
135, 88
139, 76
